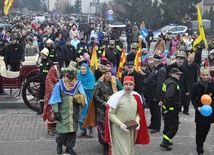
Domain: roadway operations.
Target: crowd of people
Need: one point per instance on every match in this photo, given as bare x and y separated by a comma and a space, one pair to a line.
172, 76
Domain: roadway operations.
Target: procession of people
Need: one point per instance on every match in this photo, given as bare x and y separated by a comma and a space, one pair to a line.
96, 79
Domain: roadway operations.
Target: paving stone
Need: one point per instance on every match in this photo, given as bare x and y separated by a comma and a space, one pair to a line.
24, 133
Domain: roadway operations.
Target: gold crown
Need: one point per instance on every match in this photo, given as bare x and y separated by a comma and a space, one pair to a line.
72, 64
204, 70
191, 55
80, 59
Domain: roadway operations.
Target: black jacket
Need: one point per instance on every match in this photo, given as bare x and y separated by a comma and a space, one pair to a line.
130, 57
113, 56
69, 52
14, 53
171, 94
154, 82
183, 82
193, 72
45, 65
197, 91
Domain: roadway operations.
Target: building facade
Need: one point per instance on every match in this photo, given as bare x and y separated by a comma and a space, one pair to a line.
90, 6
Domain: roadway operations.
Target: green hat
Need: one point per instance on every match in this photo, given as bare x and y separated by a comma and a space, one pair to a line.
180, 54
134, 45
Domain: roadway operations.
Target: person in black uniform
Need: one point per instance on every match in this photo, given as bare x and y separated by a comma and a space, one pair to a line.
205, 85
69, 52
82, 47
112, 54
153, 90
53, 55
118, 44
95, 45
132, 54
45, 65
104, 44
13, 55
171, 105
130, 71
183, 82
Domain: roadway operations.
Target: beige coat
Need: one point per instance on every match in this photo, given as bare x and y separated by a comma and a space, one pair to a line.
160, 45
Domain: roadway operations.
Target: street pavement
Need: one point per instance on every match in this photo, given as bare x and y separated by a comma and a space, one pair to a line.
22, 132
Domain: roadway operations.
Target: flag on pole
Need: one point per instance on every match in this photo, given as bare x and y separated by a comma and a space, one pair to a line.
201, 31
104, 53
94, 60
120, 67
7, 5
137, 60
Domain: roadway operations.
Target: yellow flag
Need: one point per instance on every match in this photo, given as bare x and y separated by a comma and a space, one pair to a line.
94, 60
201, 31
7, 5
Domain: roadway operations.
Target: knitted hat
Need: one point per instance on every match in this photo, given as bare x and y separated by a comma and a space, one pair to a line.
128, 79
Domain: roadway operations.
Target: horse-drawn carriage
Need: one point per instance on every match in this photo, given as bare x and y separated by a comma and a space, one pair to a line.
24, 82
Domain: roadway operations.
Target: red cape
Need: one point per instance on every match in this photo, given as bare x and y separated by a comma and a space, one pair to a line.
142, 134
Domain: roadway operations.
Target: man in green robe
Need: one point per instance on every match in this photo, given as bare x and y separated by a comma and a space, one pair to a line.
67, 98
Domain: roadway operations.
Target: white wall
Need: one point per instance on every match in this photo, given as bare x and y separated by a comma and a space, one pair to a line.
86, 7
50, 4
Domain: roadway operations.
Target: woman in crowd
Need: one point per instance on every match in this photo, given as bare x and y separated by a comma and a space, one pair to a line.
105, 87
87, 79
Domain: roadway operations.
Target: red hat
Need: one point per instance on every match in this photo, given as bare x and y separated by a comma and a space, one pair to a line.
128, 79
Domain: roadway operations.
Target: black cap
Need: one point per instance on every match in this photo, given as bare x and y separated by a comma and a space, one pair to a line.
157, 56
130, 63
92, 38
175, 71
13, 38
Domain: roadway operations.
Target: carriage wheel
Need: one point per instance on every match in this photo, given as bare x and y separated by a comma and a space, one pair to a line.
30, 93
